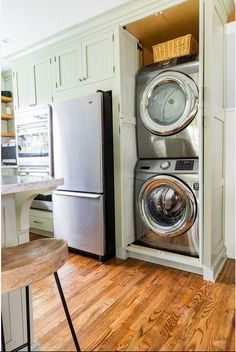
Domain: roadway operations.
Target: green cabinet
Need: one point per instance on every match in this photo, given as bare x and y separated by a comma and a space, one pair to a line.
85, 62
97, 56
43, 81
68, 68
32, 84
24, 87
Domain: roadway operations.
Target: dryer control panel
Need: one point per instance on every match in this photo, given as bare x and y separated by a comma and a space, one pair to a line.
184, 165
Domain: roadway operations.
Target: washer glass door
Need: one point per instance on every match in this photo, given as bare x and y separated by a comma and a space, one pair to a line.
169, 103
167, 206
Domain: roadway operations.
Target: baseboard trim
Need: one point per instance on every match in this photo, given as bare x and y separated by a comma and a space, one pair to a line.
121, 253
179, 262
211, 274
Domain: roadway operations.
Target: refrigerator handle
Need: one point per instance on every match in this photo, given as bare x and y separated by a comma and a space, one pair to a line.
77, 194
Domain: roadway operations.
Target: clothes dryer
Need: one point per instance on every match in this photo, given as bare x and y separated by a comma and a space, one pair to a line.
167, 202
168, 121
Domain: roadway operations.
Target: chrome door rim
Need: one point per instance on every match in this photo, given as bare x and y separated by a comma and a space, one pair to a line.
190, 211
190, 90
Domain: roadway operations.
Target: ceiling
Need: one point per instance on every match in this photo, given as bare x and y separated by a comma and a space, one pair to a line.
25, 22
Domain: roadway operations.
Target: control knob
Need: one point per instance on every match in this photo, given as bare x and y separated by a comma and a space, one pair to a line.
165, 165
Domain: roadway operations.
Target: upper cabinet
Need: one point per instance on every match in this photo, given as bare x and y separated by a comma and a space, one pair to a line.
97, 57
85, 62
43, 81
69, 67
24, 87
32, 84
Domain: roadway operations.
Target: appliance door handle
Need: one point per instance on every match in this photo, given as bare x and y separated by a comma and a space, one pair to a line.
38, 222
77, 194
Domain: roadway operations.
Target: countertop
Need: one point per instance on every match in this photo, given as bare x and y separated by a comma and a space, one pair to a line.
14, 184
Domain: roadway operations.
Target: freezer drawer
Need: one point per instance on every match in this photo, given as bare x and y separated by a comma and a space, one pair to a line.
79, 219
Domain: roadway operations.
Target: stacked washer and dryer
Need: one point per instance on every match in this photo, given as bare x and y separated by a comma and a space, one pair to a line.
167, 172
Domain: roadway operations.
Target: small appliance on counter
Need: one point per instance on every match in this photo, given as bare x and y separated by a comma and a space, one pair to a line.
8, 151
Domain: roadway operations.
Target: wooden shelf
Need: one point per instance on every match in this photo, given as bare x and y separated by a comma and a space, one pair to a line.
8, 134
7, 116
6, 99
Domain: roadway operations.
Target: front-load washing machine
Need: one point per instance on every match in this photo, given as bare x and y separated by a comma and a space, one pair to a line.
167, 201
168, 121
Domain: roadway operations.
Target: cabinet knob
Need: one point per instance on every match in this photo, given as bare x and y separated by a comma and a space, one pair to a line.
80, 79
84, 78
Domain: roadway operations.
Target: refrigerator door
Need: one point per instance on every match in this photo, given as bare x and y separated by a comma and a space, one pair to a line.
78, 143
79, 219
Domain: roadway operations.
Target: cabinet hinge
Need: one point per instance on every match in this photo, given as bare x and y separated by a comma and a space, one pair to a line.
55, 58
113, 37
50, 60
51, 98
56, 84
118, 107
114, 69
203, 93
139, 47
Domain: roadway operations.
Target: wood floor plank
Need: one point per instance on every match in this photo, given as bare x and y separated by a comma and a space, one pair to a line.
135, 306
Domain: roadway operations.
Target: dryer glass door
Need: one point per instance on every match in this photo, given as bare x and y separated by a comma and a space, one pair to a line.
167, 206
169, 103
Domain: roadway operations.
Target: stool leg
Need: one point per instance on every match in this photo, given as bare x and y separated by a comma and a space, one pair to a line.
3, 337
28, 317
67, 312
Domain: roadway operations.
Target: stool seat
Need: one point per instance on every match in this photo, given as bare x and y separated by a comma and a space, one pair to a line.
27, 263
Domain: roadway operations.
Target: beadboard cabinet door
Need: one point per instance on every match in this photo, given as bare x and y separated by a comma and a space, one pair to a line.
67, 66
33, 84
214, 164
43, 81
98, 57
24, 87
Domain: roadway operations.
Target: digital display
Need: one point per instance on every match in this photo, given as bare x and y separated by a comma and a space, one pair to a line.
184, 165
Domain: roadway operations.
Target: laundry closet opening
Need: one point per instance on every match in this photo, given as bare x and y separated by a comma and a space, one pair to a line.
165, 25
162, 125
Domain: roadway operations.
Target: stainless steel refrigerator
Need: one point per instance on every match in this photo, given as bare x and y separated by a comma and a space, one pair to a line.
83, 208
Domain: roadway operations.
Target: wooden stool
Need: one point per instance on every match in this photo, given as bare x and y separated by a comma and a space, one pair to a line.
27, 263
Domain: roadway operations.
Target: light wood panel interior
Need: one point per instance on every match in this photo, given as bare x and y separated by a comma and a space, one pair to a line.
171, 23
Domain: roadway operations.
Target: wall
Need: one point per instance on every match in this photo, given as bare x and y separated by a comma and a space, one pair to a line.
230, 145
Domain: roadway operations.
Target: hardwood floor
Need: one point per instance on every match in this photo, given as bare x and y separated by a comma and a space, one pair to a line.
135, 306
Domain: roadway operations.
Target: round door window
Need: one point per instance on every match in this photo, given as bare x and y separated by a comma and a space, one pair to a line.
168, 103
167, 206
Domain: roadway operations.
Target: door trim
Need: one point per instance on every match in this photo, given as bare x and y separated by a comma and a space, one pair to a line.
185, 192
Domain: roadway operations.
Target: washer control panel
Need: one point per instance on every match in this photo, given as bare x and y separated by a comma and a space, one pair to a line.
165, 165
169, 166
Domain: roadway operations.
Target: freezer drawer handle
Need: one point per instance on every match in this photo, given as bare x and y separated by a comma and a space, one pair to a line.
76, 194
